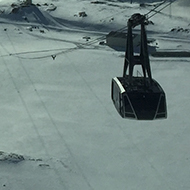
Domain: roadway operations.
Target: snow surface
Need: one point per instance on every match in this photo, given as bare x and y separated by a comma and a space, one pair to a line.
59, 128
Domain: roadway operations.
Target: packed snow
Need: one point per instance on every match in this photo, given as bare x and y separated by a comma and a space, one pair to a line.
59, 127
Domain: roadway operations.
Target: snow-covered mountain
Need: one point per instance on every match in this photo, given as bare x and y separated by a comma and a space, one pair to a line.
59, 128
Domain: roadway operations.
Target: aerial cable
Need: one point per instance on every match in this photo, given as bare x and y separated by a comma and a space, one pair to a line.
161, 9
157, 6
147, 15
80, 45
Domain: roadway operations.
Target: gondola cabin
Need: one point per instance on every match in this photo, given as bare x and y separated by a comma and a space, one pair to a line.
135, 97
138, 101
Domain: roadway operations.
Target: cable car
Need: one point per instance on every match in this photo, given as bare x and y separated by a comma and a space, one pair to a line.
138, 97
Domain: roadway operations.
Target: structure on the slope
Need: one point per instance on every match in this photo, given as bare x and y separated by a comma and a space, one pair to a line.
138, 97
119, 39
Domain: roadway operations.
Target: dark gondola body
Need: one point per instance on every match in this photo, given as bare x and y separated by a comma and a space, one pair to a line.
139, 102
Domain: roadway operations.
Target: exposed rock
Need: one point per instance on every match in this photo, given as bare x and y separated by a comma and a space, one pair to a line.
98, 2
10, 157
180, 29
87, 38
82, 14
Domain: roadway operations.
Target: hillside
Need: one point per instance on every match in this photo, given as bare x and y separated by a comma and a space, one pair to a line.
59, 128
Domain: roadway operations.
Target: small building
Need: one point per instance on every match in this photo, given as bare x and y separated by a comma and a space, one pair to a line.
119, 39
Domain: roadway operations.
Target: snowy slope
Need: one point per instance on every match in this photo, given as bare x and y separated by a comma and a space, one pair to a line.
57, 114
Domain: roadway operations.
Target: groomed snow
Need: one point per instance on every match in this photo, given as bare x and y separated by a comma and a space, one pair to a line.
59, 128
